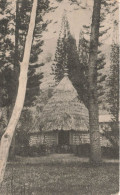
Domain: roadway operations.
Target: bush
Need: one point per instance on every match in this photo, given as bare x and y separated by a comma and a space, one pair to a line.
21, 150
83, 150
110, 152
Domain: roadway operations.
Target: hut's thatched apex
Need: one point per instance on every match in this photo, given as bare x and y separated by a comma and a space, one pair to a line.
64, 111
66, 86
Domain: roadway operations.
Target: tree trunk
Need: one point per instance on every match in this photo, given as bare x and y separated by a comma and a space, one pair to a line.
8, 135
16, 74
12, 149
95, 156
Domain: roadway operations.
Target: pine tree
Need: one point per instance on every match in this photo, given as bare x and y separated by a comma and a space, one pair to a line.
8, 84
66, 57
83, 50
12, 52
3, 32
113, 94
93, 78
8, 135
34, 78
6, 56
95, 156
112, 83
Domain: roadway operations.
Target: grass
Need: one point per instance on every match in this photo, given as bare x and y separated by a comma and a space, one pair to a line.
60, 178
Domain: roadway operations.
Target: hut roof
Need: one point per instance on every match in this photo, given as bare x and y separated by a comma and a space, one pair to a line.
64, 111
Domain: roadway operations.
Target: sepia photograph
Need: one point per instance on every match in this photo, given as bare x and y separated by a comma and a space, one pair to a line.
59, 97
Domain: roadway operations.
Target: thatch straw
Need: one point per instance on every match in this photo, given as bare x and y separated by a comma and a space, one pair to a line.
64, 111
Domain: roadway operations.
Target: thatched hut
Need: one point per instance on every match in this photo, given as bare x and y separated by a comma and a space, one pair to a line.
64, 120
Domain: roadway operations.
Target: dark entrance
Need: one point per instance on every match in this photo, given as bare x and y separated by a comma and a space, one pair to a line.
63, 138
63, 141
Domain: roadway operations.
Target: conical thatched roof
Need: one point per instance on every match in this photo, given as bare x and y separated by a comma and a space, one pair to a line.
64, 111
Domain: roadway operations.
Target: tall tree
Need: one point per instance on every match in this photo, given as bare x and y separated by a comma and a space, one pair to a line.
7, 64
6, 56
15, 72
66, 57
113, 94
95, 156
8, 78
7, 136
23, 9
34, 75
83, 50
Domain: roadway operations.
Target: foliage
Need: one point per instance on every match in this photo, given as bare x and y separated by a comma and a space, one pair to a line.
83, 49
34, 75
114, 82
6, 56
113, 95
66, 57
12, 52
25, 124
76, 61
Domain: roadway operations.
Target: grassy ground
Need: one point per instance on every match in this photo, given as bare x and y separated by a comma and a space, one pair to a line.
58, 177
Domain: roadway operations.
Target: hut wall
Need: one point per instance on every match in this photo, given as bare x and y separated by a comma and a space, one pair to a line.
75, 138
36, 139
51, 138
78, 138
43, 138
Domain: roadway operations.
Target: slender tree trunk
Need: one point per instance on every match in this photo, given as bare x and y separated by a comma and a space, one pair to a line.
16, 59
9, 112
12, 149
92, 76
16, 73
8, 135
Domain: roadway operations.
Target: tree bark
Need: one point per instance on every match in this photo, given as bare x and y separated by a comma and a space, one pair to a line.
8, 135
95, 156
16, 73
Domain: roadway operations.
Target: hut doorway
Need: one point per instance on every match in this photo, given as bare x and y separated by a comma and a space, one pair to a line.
63, 138
63, 142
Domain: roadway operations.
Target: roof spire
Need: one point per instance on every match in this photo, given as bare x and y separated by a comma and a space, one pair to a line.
65, 35
65, 72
